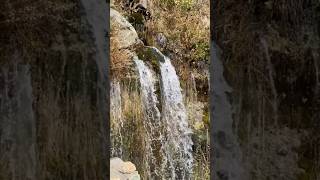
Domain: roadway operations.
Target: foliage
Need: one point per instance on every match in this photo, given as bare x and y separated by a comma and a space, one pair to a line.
200, 51
182, 4
185, 24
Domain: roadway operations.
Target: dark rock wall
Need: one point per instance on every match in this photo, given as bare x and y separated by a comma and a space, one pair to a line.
17, 122
271, 59
53, 98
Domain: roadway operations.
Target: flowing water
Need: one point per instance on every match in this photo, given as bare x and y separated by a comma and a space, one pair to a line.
97, 17
152, 121
168, 137
117, 119
178, 144
167, 151
227, 156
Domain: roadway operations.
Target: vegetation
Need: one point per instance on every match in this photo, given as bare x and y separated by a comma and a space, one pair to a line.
120, 59
185, 24
184, 27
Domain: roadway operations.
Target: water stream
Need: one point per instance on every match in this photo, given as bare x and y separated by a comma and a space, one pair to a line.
167, 151
152, 121
227, 151
178, 146
117, 119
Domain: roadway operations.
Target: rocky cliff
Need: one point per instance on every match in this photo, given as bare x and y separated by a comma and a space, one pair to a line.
159, 68
270, 52
53, 98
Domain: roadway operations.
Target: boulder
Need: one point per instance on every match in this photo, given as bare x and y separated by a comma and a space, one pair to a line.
120, 170
123, 31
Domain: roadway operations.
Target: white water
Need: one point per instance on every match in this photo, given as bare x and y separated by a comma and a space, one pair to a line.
117, 119
227, 151
178, 144
152, 123
147, 82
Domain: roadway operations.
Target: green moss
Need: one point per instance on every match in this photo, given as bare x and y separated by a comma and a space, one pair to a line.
167, 3
185, 5
147, 54
201, 51
206, 118
135, 18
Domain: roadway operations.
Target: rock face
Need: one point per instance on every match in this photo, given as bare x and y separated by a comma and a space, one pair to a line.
53, 98
17, 122
126, 34
272, 65
120, 170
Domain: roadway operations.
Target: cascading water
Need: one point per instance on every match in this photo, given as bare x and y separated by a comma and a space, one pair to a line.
97, 16
178, 144
117, 119
152, 123
168, 143
227, 157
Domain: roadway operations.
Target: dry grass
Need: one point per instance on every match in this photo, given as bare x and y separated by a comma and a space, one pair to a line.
133, 128
186, 26
119, 59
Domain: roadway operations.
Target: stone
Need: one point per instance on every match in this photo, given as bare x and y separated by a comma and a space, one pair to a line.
120, 170
128, 167
124, 32
161, 40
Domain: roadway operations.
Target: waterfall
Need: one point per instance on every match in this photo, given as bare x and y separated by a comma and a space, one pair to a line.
17, 122
227, 155
167, 134
178, 144
152, 123
96, 13
116, 119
